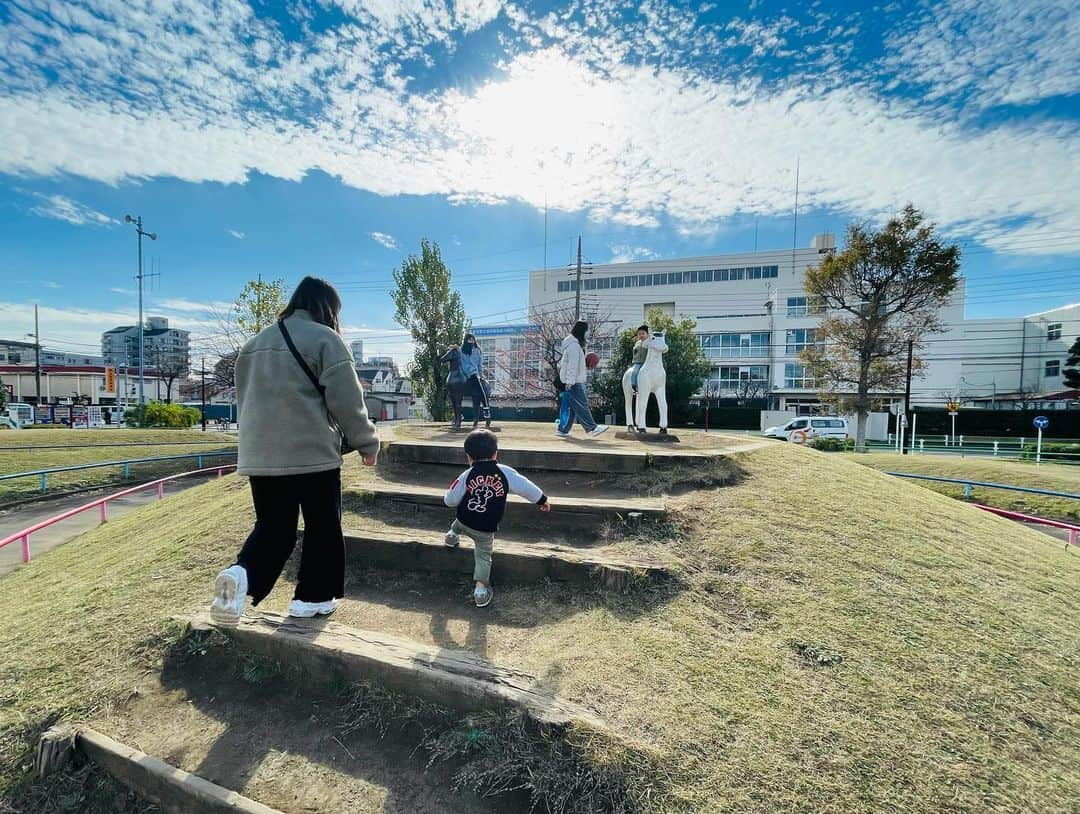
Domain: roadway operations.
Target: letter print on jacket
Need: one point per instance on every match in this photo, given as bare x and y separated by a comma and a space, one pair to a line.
482, 489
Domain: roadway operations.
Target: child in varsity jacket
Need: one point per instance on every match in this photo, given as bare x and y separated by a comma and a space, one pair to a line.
480, 493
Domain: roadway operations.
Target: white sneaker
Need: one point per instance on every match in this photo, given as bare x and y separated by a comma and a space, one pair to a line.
305, 610
561, 434
230, 596
599, 429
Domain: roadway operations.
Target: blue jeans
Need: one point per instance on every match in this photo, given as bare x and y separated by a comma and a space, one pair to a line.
634, 370
579, 408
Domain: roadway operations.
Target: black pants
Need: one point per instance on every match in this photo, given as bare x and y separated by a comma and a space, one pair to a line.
278, 503
479, 395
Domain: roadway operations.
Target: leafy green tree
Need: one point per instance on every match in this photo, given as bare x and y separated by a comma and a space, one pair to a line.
435, 317
881, 292
1072, 366
258, 305
3, 396
685, 364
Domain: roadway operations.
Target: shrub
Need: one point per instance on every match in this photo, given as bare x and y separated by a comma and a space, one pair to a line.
157, 414
832, 444
1065, 453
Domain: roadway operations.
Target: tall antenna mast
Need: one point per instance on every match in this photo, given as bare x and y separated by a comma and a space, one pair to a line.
795, 220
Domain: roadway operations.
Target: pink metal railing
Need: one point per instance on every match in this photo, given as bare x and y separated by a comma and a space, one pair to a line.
102, 503
1028, 518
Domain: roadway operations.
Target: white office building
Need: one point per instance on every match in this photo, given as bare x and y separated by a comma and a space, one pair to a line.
752, 315
164, 345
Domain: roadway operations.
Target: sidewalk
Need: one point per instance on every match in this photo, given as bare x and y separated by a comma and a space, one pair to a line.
20, 517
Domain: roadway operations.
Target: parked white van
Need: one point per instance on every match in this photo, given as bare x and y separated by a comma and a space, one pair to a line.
804, 429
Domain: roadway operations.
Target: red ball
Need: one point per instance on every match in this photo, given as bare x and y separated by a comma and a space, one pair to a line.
591, 360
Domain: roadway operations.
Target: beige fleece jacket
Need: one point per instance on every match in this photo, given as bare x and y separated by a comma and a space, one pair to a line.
285, 425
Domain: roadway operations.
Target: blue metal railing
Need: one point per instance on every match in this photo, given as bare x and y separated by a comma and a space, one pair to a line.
44, 473
968, 484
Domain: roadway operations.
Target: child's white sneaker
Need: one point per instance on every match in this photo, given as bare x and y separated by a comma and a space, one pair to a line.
305, 610
451, 539
230, 596
482, 595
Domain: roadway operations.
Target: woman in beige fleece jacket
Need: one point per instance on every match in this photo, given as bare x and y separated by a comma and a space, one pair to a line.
293, 417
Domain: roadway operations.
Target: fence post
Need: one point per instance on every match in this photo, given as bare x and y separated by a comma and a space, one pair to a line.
995, 448
104, 511
198, 462
967, 491
961, 440
220, 472
1072, 537
127, 471
922, 448
1022, 443
43, 482
25, 542
160, 491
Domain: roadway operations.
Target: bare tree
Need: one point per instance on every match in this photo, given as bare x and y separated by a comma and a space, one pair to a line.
748, 390
168, 365
543, 345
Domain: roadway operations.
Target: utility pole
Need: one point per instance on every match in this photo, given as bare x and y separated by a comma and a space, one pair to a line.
202, 374
37, 356
577, 285
153, 236
907, 393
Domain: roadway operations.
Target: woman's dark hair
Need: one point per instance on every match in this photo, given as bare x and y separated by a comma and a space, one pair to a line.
466, 347
318, 298
579, 330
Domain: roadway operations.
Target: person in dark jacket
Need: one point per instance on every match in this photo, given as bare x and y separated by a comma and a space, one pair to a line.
479, 494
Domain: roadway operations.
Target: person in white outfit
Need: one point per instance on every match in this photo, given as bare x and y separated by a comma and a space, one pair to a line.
572, 373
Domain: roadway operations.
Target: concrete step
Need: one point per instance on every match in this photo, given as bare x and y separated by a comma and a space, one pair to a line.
152, 779
454, 678
559, 457
513, 562
565, 507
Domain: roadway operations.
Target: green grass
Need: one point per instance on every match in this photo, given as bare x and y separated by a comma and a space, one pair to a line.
1054, 477
94, 446
838, 640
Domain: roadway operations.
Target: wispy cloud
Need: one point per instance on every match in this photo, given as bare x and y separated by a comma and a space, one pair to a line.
51, 284
674, 121
60, 207
122, 291
622, 253
386, 240
234, 233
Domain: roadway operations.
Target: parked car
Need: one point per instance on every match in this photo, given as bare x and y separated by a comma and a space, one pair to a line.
804, 429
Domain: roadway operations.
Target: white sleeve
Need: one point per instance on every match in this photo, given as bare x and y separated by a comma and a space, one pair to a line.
456, 491
520, 485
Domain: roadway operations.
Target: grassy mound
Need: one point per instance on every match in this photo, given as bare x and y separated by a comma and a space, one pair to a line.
838, 640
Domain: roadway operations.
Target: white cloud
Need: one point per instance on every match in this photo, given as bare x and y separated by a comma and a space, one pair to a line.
52, 284
127, 291
221, 93
235, 233
386, 240
622, 253
60, 207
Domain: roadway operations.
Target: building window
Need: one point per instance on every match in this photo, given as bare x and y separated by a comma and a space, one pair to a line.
1053, 368
735, 345
802, 306
730, 377
799, 339
796, 378
1053, 331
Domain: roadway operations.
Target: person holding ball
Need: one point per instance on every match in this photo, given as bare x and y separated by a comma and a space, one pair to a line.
573, 371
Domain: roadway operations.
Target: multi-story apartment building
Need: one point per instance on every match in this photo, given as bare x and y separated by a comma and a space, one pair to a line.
164, 346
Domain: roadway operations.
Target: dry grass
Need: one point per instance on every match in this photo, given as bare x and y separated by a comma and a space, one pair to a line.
1055, 477
839, 641
97, 446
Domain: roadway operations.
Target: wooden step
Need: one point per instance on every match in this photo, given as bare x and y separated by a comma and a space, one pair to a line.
565, 506
560, 457
512, 562
455, 678
173, 789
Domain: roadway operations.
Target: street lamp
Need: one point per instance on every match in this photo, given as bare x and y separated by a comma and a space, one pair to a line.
153, 236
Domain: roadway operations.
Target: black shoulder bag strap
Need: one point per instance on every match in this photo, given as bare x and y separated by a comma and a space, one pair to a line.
300, 359
345, 447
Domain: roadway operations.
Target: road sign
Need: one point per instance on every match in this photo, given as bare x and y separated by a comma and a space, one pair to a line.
953, 412
1041, 422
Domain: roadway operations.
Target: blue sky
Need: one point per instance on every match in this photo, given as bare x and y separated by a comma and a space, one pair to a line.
285, 138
